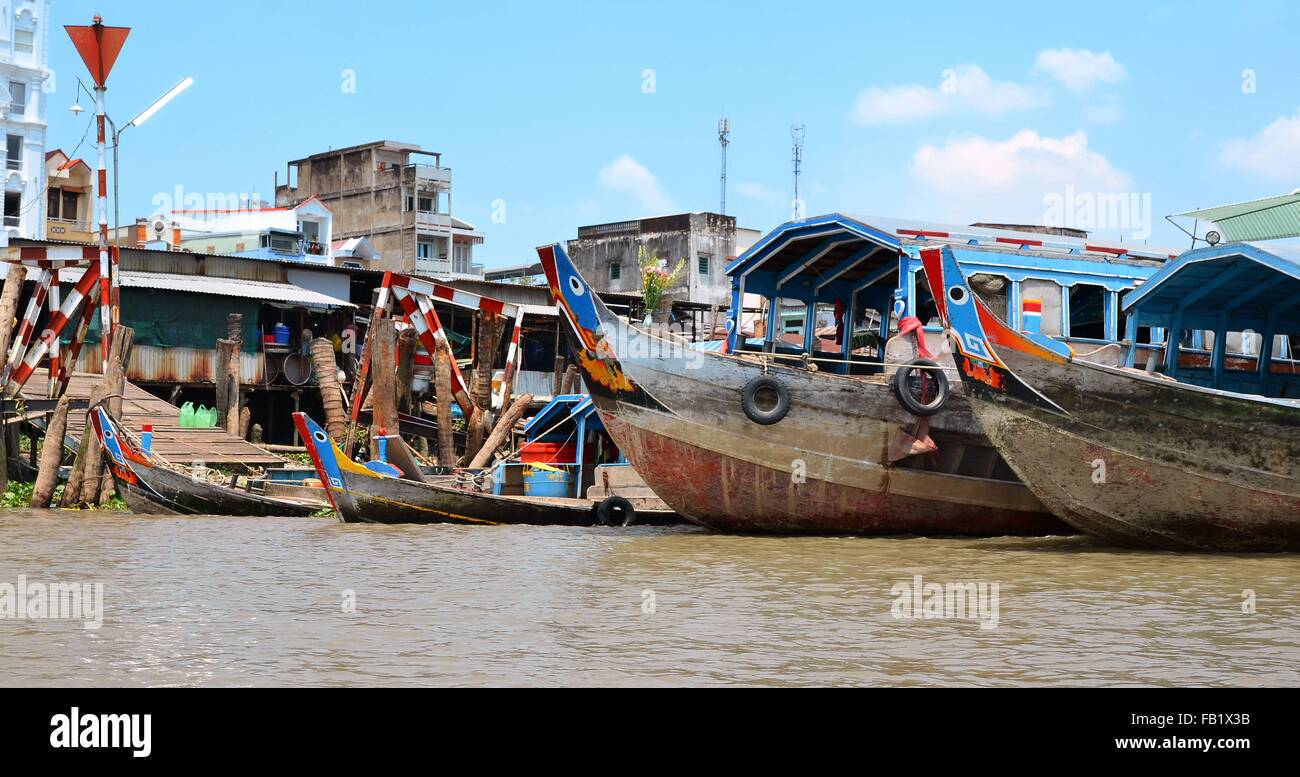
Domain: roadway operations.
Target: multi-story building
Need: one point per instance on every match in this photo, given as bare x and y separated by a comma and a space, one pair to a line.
397, 195
24, 60
69, 198
607, 254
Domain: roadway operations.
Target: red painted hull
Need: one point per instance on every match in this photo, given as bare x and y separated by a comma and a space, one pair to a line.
729, 494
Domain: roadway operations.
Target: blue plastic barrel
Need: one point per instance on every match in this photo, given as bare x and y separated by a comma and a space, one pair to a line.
539, 482
281, 333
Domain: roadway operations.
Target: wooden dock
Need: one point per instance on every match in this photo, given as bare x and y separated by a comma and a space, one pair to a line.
177, 445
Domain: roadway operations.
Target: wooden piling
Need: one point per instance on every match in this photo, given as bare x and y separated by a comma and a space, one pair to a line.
47, 476
406, 342
442, 388
557, 378
383, 408
326, 370
123, 341
85, 479
9, 299
501, 433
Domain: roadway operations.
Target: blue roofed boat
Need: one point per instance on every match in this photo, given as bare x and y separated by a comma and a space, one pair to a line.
1199, 449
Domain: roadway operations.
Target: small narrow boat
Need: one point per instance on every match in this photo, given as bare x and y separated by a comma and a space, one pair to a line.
1137, 457
361, 494
149, 485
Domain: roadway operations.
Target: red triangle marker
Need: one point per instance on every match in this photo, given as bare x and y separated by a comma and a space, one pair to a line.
98, 46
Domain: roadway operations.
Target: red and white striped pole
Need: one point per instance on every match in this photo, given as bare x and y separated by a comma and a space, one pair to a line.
99, 46
105, 308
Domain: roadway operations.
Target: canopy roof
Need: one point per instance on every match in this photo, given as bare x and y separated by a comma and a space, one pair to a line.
1248, 282
1271, 218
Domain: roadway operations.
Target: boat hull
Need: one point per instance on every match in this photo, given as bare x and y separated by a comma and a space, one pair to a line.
362, 496
1149, 464
155, 490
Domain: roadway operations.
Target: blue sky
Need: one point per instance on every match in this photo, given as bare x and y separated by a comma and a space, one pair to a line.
936, 111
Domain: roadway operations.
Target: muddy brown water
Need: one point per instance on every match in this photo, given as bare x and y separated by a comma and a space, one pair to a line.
253, 602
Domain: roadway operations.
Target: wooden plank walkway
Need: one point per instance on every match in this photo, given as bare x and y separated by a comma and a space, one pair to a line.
177, 445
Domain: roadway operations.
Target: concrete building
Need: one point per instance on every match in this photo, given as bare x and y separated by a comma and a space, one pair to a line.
397, 195
606, 254
24, 68
69, 199
303, 232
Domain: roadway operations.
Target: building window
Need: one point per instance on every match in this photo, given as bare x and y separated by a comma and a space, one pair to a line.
704, 264
13, 209
17, 98
423, 250
24, 41
426, 205
15, 152
615, 270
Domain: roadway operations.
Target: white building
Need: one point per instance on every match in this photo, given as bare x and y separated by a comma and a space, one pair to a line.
24, 71
303, 232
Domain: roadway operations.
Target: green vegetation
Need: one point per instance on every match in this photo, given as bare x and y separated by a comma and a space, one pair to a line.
20, 495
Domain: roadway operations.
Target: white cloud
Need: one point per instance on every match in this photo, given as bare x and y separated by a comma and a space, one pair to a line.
1105, 112
962, 89
1079, 69
629, 176
981, 179
1273, 153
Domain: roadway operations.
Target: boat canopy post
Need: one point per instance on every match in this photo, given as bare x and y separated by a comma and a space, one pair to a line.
1220, 350
1131, 334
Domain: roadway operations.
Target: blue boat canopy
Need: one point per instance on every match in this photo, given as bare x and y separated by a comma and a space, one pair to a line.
866, 267
1245, 282
1240, 290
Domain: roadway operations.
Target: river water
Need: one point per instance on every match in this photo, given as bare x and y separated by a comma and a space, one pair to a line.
253, 602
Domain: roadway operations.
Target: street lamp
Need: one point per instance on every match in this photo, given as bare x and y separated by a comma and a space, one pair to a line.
139, 119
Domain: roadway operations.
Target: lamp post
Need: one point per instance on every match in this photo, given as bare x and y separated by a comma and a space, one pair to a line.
140, 119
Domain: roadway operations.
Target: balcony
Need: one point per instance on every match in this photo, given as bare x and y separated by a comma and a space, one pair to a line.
438, 221
433, 174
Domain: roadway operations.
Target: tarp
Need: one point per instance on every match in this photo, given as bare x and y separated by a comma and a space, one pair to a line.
160, 319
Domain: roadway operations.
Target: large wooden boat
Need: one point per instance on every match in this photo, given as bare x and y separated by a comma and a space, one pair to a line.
1144, 459
818, 460
362, 495
149, 486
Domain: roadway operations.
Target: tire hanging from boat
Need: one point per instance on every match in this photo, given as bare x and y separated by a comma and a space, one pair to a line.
615, 511
773, 414
925, 371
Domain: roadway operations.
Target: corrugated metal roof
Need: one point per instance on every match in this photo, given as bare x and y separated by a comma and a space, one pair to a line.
285, 293
1271, 218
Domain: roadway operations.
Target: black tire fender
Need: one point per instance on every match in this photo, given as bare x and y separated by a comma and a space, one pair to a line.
750, 406
615, 511
902, 385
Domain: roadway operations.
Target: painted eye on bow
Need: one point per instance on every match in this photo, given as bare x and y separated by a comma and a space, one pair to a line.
320, 436
958, 295
576, 286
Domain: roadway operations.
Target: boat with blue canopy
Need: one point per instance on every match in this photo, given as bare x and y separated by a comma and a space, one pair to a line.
1198, 449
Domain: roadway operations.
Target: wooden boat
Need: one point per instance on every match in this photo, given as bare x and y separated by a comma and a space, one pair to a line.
362, 495
818, 457
1143, 459
149, 486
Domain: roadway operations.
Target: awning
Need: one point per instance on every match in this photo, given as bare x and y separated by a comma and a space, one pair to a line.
1247, 282
1271, 218
274, 293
